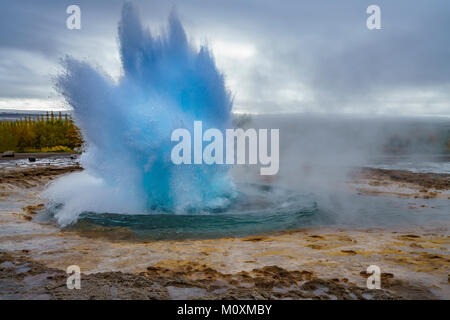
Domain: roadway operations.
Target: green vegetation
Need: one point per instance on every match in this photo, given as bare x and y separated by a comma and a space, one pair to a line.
40, 134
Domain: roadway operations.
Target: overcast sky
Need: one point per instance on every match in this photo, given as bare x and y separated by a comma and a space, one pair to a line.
277, 56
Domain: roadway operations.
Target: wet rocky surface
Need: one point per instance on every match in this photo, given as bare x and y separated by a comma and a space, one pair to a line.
33, 176
401, 183
22, 278
312, 263
439, 181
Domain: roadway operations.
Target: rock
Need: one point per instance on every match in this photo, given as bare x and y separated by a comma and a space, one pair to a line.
350, 252
8, 154
32, 159
33, 209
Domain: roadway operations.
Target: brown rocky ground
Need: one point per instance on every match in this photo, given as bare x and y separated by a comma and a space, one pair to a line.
439, 181
33, 176
401, 183
22, 278
312, 263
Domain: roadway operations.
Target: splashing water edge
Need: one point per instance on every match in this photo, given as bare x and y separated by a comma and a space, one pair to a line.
166, 84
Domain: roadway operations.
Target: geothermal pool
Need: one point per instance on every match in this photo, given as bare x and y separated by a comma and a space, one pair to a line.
256, 209
382, 212
265, 209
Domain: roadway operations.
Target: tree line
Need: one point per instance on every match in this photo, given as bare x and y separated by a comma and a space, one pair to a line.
40, 134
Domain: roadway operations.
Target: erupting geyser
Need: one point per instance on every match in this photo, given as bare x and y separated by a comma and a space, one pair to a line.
166, 84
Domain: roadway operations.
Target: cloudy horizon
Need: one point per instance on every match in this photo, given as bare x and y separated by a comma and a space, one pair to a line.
295, 57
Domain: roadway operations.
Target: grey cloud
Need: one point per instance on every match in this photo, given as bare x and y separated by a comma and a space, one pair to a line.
323, 45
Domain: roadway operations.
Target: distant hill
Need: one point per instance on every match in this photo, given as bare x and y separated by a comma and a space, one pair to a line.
12, 115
